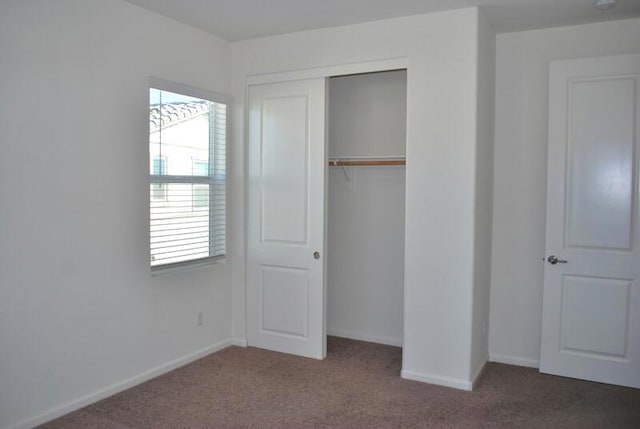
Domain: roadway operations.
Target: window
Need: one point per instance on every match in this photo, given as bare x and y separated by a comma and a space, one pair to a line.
187, 171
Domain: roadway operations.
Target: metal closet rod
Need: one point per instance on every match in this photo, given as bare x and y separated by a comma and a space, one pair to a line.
367, 160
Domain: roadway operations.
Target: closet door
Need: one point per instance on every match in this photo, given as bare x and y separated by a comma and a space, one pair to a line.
285, 212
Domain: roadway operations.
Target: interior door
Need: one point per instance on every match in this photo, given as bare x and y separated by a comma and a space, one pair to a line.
591, 302
285, 241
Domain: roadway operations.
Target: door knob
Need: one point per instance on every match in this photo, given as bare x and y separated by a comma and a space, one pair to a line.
552, 259
316, 255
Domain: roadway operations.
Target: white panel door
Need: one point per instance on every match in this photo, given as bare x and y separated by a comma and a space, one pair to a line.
591, 302
285, 231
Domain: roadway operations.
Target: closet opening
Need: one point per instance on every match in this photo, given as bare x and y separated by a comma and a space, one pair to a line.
365, 214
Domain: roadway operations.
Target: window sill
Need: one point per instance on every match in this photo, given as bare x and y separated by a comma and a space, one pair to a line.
188, 266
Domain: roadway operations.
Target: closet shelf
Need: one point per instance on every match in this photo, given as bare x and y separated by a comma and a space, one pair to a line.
364, 161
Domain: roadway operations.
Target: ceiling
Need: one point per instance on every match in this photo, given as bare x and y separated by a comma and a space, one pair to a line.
247, 19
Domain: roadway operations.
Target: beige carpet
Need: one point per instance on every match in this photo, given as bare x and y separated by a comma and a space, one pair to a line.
356, 386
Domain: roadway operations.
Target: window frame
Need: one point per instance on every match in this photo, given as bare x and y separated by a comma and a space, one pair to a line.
195, 202
211, 180
163, 168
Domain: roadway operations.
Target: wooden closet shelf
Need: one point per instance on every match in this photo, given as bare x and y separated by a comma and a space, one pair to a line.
345, 162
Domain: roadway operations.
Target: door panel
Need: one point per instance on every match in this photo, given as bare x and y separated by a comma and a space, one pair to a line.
285, 294
591, 300
285, 185
581, 332
285, 221
601, 137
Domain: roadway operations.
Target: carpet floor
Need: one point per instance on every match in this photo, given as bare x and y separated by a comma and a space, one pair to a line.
356, 386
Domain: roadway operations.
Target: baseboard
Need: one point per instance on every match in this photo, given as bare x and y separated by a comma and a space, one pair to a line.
240, 342
119, 387
389, 341
479, 373
435, 379
514, 360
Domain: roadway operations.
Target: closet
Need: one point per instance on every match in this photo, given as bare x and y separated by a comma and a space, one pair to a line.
325, 210
366, 206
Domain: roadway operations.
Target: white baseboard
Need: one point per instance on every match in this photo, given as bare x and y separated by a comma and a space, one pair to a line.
389, 341
479, 372
240, 342
514, 360
435, 379
118, 387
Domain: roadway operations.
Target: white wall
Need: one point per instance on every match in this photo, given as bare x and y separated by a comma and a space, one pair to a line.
521, 171
441, 135
79, 309
368, 114
365, 240
484, 195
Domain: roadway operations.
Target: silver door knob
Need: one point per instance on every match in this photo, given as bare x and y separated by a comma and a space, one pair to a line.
316, 255
552, 259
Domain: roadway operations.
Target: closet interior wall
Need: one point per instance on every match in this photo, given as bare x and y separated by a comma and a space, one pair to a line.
366, 207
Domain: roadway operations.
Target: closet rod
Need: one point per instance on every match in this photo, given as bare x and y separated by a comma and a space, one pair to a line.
346, 161
343, 162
